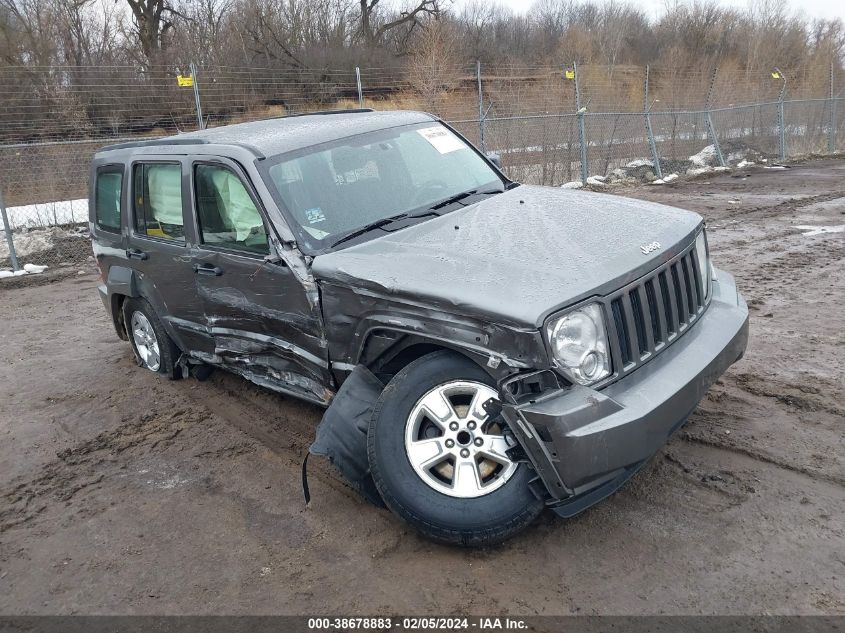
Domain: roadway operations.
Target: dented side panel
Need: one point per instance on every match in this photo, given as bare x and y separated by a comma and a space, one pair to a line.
263, 324
263, 313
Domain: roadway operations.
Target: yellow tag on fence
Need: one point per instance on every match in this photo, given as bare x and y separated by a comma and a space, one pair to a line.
185, 81
569, 74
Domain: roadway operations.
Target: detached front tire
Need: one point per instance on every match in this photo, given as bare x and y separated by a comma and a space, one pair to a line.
440, 462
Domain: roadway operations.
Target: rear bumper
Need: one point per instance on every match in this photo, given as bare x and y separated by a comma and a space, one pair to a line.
586, 443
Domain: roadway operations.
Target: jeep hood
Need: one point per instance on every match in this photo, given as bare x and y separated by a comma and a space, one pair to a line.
515, 257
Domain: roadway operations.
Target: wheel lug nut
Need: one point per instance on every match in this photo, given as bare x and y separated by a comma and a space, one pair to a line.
479, 441
464, 452
471, 425
453, 426
450, 443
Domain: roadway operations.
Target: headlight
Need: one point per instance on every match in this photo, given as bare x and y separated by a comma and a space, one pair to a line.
703, 261
579, 344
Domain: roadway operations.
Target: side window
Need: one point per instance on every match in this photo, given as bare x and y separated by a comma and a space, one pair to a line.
227, 215
158, 200
108, 187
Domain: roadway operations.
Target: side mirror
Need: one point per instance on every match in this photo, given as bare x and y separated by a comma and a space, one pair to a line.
494, 158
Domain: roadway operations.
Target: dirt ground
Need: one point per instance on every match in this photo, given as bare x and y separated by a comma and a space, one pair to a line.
124, 493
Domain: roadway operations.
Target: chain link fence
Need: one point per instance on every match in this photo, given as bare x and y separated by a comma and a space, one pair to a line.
552, 126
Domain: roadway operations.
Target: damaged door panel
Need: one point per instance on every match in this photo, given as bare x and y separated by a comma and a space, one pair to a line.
262, 323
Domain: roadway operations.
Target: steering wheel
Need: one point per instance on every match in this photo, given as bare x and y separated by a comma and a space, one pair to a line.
427, 189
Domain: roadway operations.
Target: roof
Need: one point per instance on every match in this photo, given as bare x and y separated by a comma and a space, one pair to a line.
283, 134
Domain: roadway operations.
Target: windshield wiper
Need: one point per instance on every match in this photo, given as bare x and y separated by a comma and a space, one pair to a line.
369, 227
461, 196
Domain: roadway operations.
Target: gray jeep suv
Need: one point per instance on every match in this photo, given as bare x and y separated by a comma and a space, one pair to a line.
483, 349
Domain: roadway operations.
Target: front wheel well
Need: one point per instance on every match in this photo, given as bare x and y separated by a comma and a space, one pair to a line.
407, 350
408, 355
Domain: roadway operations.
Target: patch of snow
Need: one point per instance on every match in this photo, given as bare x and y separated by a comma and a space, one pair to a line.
734, 202
809, 230
775, 167
745, 163
597, 181
575, 184
665, 179
705, 157
28, 269
720, 169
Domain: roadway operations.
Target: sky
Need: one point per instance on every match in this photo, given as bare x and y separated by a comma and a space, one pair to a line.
810, 8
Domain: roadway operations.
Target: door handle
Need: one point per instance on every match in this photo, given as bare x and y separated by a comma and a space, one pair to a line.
208, 269
134, 253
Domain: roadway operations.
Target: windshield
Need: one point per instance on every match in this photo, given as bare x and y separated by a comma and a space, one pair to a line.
337, 188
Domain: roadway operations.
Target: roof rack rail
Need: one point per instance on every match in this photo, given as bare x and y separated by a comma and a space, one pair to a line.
152, 142
324, 113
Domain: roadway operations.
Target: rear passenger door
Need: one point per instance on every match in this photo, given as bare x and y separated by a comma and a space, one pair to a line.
159, 247
257, 311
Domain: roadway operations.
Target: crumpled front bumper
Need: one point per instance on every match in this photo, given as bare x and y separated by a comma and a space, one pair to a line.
585, 443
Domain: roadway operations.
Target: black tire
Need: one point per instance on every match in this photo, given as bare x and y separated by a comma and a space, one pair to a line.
168, 352
473, 522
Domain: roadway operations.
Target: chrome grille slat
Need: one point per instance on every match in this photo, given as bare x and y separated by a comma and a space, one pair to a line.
651, 313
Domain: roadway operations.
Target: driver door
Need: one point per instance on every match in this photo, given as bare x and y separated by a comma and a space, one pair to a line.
257, 311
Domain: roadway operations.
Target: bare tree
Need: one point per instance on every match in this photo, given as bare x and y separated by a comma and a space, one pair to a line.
153, 19
374, 28
433, 70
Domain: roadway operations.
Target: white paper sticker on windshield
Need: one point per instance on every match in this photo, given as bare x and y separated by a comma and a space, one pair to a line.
442, 139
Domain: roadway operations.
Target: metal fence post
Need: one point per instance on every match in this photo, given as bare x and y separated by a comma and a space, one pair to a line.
197, 95
711, 129
8, 230
831, 130
582, 132
480, 106
655, 157
360, 90
781, 117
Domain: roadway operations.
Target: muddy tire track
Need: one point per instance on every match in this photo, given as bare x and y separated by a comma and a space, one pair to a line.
283, 425
88, 463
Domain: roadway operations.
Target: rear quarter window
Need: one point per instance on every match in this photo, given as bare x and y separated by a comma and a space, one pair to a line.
107, 196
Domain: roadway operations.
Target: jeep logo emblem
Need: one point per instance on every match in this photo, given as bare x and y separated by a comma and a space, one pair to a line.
649, 248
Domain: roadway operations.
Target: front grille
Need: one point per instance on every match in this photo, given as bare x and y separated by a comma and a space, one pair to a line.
654, 311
